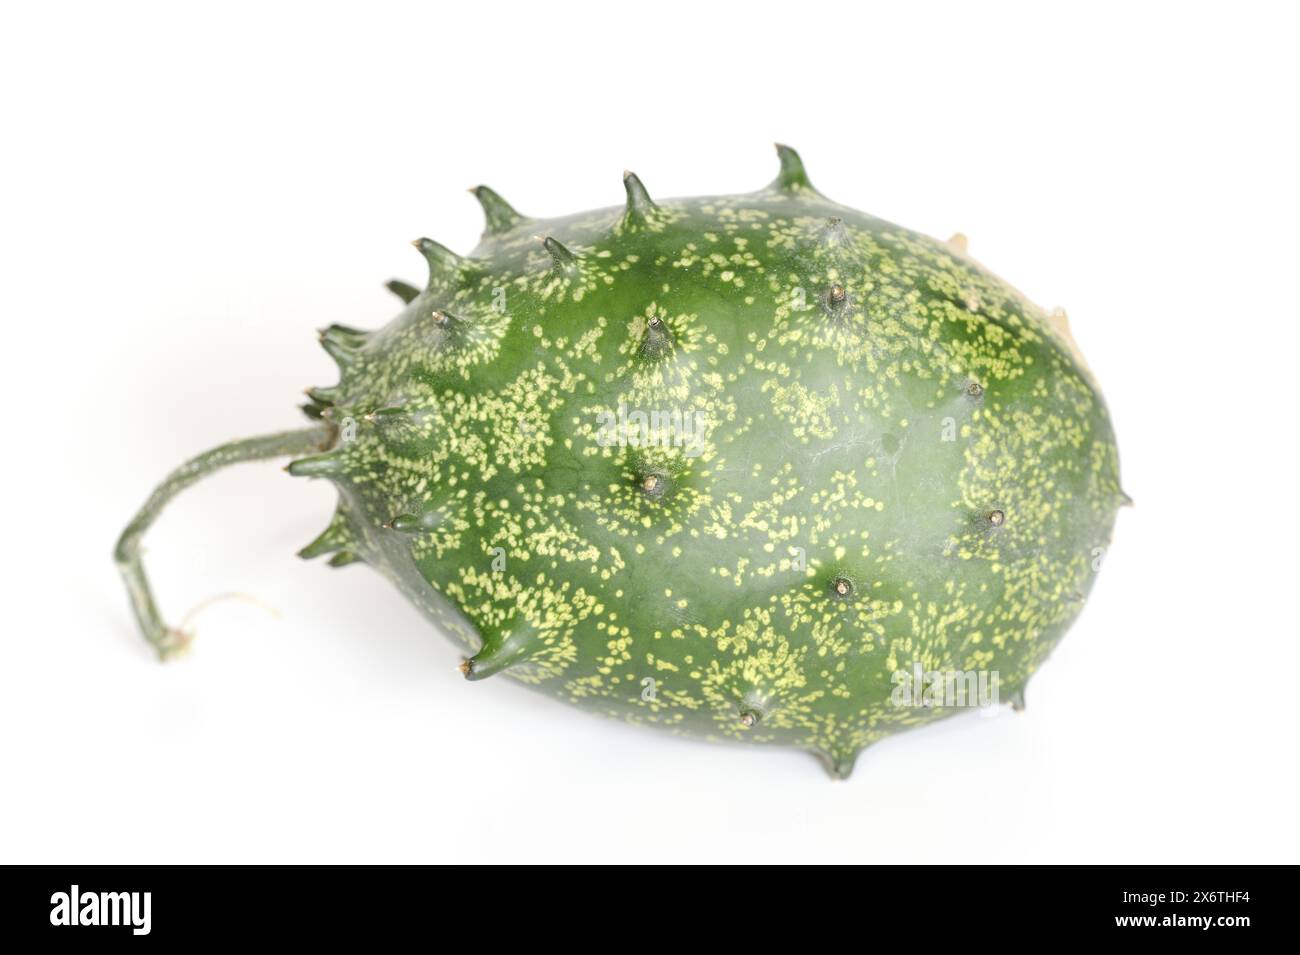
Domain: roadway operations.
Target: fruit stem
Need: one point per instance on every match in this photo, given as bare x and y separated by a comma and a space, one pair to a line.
166, 640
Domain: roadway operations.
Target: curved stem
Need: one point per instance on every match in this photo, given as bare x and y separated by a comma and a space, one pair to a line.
168, 641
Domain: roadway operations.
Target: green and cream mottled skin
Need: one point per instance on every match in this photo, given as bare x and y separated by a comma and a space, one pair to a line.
901, 460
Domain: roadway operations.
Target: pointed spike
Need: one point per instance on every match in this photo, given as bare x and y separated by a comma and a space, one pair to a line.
342, 343
639, 203
346, 335
834, 232
335, 537
563, 259
444, 264
407, 293
330, 464
392, 413
324, 396
416, 523
389, 415
500, 216
325, 544
657, 341
792, 177
653, 484
404, 523
839, 762
342, 356
494, 657
312, 410
343, 558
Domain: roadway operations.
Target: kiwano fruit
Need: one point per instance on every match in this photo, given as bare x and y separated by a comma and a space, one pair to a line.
743, 467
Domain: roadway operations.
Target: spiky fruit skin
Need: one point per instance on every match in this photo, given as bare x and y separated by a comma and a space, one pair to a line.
901, 460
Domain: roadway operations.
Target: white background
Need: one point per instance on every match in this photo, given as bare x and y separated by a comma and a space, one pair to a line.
189, 191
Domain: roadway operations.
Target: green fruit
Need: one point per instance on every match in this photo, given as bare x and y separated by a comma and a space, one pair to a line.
736, 466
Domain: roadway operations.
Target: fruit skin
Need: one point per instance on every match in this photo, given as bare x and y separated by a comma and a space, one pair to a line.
885, 457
